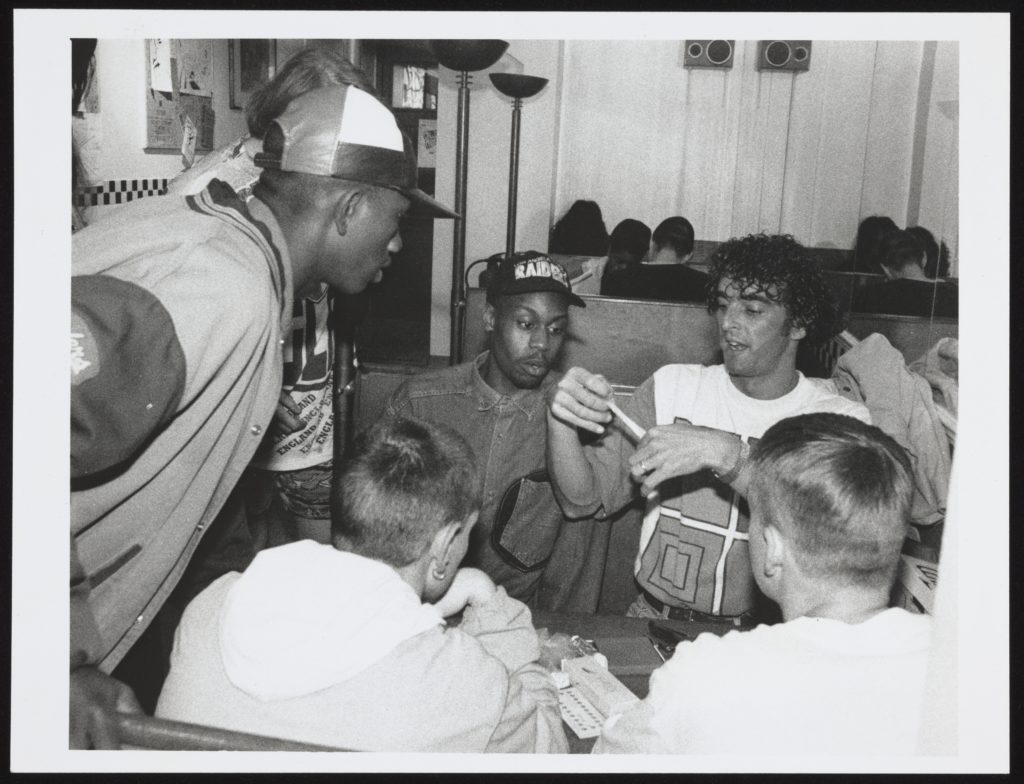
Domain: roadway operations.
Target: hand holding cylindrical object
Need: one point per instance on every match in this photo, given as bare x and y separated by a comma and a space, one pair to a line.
634, 428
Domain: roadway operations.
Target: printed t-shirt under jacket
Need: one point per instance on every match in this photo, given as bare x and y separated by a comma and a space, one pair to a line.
308, 353
693, 542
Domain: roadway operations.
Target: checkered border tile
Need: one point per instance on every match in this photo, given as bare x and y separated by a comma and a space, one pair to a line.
119, 192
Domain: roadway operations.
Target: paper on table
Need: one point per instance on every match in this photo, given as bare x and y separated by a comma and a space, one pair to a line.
579, 713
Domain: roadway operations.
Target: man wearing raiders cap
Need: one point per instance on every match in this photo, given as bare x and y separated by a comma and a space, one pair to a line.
178, 310
497, 403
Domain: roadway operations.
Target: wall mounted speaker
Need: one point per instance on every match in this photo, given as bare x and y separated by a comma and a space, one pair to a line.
783, 55
708, 54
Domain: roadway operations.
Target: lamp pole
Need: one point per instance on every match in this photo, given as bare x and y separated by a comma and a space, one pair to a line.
463, 56
513, 179
458, 306
517, 87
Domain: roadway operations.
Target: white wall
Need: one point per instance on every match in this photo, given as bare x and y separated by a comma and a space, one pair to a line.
939, 193
740, 150
121, 77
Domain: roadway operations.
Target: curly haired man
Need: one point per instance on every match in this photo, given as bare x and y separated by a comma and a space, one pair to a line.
767, 296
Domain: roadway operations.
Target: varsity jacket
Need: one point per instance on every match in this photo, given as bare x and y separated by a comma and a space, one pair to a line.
177, 310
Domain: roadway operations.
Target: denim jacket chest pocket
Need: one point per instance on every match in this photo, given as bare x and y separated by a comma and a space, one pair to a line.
527, 522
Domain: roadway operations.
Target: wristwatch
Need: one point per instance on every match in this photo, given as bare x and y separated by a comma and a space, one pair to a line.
730, 476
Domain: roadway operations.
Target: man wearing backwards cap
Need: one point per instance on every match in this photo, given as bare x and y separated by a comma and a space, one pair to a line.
496, 402
178, 307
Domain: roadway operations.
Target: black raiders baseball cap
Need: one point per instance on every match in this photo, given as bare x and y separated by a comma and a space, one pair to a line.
531, 271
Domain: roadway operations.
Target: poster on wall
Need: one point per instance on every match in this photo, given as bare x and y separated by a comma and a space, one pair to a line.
195, 67
167, 104
426, 147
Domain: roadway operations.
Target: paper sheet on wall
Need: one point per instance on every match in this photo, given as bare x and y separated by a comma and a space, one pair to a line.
188, 140
87, 131
195, 68
426, 153
160, 65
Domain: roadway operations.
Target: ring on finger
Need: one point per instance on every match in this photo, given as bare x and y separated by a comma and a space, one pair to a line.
643, 467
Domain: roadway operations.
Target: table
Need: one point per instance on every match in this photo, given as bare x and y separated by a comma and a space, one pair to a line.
598, 627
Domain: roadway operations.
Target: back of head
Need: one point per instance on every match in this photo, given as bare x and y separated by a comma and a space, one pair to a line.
630, 238
581, 231
840, 492
869, 233
306, 70
675, 232
899, 251
402, 481
781, 269
931, 249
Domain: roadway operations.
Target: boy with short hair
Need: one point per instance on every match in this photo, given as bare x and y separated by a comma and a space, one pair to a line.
844, 673
345, 644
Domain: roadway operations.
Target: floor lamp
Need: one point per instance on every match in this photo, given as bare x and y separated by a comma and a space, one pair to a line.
463, 56
517, 87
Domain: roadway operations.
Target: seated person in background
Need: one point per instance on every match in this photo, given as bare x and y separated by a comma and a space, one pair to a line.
767, 296
580, 232
936, 256
628, 245
869, 234
346, 645
497, 403
907, 292
667, 276
672, 241
845, 673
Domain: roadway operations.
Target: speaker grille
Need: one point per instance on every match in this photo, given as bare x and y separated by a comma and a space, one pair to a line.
777, 53
719, 52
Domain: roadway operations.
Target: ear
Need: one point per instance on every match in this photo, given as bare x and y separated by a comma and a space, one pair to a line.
797, 331
345, 207
774, 550
489, 317
441, 545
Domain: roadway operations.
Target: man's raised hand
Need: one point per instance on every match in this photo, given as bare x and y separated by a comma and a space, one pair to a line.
580, 399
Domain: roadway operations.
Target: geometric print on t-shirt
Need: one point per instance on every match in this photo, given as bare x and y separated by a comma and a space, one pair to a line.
698, 555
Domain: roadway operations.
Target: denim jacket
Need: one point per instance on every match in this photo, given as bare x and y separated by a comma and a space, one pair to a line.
520, 519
